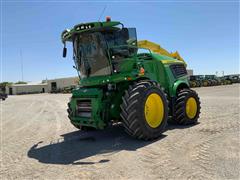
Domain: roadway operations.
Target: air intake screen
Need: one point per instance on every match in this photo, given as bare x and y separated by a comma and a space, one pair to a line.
178, 70
84, 108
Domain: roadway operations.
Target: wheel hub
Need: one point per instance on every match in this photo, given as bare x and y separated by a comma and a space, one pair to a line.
154, 110
191, 108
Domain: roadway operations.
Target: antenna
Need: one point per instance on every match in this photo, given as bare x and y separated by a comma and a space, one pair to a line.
102, 12
21, 62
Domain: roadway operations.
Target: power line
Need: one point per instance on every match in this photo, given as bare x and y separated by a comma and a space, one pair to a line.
102, 13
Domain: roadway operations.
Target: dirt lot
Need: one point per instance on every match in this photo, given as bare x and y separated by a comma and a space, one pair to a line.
39, 142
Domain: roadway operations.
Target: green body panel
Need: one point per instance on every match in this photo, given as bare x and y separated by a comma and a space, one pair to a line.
105, 92
155, 70
107, 107
95, 96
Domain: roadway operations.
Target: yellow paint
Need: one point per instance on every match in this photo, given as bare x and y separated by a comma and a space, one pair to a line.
191, 108
156, 48
154, 110
194, 84
205, 83
170, 61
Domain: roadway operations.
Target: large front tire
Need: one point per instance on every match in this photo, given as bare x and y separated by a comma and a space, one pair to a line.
187, 107
144, 110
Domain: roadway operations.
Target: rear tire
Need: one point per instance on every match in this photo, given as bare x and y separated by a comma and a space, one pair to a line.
144, 110
187, 107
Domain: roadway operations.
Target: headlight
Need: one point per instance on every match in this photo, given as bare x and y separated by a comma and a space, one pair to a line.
65, 33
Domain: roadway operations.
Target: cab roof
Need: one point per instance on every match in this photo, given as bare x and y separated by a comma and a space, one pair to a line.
84, 27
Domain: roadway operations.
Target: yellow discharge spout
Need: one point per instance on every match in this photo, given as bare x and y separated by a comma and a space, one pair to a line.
156, 48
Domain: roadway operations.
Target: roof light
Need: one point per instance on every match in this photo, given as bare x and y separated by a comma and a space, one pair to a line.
108, 19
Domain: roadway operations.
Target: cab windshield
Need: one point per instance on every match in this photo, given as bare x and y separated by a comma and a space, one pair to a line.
91, 50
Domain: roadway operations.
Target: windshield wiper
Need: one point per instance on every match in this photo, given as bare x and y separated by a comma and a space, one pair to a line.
81, 59
85, 63
86, 66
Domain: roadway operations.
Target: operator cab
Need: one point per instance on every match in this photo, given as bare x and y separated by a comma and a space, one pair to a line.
99, 47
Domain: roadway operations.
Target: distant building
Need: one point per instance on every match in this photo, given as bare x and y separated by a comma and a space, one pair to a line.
190, 72
56, 85
30, 88
48, 86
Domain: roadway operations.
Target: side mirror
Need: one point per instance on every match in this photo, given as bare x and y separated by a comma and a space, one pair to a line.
64, 52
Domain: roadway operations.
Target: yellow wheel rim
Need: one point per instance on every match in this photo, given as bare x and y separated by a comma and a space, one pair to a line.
154, 110
191, 108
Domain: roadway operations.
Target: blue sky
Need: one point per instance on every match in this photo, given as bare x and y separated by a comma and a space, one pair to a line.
205, 33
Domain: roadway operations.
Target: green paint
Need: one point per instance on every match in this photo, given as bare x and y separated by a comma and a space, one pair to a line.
104, 92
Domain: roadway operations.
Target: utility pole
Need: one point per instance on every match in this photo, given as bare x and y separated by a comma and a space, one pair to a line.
21, 58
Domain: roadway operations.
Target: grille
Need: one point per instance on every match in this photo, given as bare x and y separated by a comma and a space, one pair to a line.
178, 70
84, 108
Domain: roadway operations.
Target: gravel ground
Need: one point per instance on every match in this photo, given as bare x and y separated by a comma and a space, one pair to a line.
37, 141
